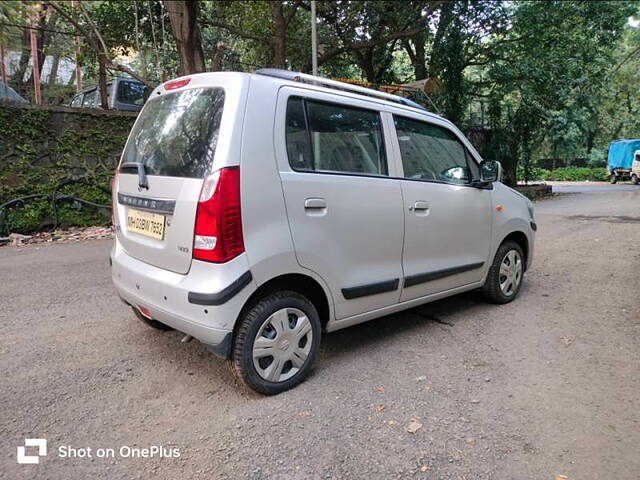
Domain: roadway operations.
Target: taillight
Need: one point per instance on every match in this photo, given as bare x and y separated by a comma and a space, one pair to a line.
218, 229
114, 197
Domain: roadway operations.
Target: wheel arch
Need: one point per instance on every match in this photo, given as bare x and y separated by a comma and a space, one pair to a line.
521, 239
296, 282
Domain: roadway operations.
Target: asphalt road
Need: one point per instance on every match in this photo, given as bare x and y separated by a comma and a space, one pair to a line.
547, 385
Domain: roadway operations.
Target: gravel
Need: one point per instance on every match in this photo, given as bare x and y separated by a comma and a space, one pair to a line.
545, 386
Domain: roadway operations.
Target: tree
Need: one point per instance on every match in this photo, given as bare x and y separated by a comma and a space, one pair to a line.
183, 15
535, 76
263, 23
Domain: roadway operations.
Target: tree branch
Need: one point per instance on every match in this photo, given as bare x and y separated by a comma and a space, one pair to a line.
292, 12
238, 31
98, 45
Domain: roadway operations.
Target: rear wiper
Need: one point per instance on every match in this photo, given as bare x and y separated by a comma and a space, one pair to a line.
142, 174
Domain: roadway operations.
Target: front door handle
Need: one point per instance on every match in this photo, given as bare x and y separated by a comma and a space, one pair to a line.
315, 203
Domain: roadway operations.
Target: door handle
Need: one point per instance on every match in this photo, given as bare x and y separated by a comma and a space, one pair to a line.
315, 203
420, 206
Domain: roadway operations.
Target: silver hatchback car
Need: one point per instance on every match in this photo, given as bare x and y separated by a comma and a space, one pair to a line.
255, 211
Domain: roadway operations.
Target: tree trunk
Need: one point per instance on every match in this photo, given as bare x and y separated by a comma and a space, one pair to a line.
43, 36
218, 55
53, 75
279, 42
72, 78
417, 55
183, 17
102, 81
23, 63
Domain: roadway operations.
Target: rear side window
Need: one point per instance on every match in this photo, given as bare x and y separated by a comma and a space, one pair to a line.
176, 134
325, 137
131, 93
430, 152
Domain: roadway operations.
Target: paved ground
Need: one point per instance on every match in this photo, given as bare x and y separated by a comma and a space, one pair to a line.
592, 187
544, 386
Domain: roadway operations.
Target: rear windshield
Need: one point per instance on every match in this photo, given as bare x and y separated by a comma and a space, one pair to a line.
177, 133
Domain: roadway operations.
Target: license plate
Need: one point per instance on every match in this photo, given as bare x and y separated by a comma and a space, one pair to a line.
145, 223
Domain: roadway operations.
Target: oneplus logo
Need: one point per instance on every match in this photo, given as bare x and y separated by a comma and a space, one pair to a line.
41, 443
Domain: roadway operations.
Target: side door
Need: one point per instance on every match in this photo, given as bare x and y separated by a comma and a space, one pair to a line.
344, 211
447, 219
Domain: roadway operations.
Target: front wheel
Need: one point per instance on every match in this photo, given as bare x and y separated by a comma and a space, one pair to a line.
505, 274
277, 342
635, 179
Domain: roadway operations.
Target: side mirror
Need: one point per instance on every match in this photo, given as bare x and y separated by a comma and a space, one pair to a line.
490, 171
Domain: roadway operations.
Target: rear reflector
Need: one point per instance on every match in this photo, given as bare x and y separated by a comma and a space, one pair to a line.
177, 84
218, 228
145, 312
114, 198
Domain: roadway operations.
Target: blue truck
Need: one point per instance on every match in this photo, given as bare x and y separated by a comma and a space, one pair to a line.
624, 161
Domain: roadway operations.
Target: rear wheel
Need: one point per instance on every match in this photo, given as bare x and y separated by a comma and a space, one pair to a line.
505, 274
613, 178
151, 323
277, 342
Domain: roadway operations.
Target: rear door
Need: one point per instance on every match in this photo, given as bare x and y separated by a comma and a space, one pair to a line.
177, 138
345, 212
447, 220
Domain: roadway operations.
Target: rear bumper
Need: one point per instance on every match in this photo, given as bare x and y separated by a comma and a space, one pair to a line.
166, 295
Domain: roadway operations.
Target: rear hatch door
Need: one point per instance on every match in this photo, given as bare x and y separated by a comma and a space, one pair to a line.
170, 151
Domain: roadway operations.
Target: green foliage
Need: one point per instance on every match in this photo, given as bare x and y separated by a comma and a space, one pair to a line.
566, 174
43, 147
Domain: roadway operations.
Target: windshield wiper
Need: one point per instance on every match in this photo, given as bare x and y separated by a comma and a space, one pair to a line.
142, 174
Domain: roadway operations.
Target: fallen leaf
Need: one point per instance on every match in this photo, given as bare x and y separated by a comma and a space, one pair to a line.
424, 468
562, 477
391, 423
568, 341
379, 388
421, 378
379, 408
414, 425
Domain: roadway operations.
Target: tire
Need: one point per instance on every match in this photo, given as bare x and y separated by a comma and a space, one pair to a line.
493, 290
280, 315
613, 179
635, 179
151, 323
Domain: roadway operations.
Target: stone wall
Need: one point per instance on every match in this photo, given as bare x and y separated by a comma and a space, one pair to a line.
43, 146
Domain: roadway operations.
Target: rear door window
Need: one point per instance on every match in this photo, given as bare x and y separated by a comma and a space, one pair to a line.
176, 134
328, 137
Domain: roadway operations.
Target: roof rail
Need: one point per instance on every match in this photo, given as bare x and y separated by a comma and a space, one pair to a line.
336, 85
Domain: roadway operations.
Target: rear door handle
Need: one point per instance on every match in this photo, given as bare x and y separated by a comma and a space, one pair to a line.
420, 206
315, 203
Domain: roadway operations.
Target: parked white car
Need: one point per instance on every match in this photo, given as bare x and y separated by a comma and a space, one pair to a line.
256, 211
